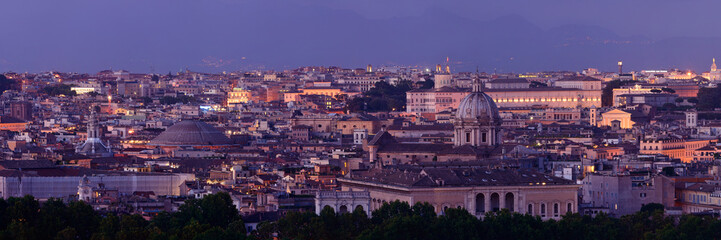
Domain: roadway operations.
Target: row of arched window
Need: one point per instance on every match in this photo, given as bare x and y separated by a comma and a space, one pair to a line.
555, 211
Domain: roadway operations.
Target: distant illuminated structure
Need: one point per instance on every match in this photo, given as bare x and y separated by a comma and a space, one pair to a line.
714, 74
448, 65
238, 96
620, 68
110, 104
369, 69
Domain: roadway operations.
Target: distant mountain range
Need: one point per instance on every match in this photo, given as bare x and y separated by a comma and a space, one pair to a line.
278, 36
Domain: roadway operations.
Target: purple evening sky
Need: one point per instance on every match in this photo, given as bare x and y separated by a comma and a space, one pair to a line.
227, 35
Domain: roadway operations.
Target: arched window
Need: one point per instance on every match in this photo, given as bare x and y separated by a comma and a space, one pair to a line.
495, 202
343, 209
530, 209
480, 203
555, 210
543, 210
509, 202
569, 208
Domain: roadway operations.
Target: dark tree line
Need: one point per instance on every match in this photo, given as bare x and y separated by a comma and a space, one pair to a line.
398, 220
709, 98
215, 217
607, 92
59, 89
7, 84
382, 97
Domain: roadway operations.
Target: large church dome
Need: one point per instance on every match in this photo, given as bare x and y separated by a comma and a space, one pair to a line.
478, 106
477, 121
191, 133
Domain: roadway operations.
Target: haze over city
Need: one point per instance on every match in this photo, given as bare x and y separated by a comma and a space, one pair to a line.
227, 35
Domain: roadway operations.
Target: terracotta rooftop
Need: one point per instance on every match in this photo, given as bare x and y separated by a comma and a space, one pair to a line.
456, 177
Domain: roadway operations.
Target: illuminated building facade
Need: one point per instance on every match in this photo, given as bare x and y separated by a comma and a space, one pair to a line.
438, 100
239, 95
635, 89
434, 100
715, 73
579, 82
323, 91
623, 117
682, 149
364, 82
547, 97
12, 124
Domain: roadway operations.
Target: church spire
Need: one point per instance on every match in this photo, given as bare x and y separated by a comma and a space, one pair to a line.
713, 66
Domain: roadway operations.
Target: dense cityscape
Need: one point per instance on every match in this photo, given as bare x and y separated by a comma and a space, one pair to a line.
378, 152
365, 120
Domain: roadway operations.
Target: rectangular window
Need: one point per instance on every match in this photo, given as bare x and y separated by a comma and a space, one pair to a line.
468, 137
483, 137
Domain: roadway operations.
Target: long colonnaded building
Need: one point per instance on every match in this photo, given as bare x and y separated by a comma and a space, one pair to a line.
572, 92
478, 190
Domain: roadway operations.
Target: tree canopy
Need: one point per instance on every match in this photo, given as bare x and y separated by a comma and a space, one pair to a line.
215, 217
59, 89
6, 83
709, 98
607, 93
383, 97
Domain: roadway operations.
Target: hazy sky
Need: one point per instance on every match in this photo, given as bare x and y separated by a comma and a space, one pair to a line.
220, 35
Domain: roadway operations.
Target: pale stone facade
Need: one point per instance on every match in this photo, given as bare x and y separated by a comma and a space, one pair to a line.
524, 192
442, 80
617, 115
434, 101
549, 97
583, 83
343, 202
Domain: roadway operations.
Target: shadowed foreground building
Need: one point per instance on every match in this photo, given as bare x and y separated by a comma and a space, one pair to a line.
625, 194
43, 180
478, 190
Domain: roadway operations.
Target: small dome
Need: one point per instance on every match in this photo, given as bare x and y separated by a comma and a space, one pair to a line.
191, 133
478, 106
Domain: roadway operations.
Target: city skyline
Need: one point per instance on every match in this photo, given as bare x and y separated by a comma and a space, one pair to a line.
377, 119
